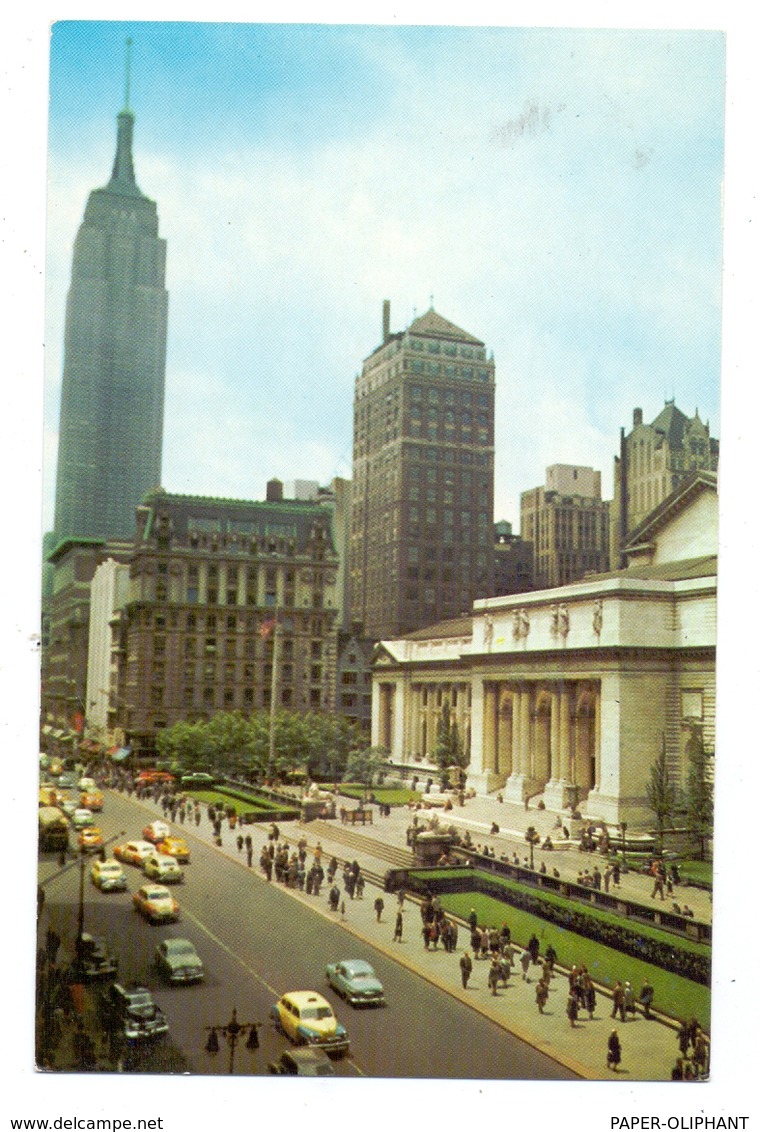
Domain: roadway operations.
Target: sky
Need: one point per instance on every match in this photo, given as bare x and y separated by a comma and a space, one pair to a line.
557, 193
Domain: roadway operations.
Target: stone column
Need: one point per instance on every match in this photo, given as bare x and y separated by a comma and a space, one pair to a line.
489, 727
477, 772
516, 783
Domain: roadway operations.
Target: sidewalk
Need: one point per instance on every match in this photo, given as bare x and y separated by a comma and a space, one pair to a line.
649, 1048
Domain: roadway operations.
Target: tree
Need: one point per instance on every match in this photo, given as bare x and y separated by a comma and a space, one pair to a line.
699, 790
449, 749
363, 766
661, 794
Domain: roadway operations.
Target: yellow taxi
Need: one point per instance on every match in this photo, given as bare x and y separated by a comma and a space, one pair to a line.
90, 839
133, 852
91, 800
156, 903
174, 847
308, 1019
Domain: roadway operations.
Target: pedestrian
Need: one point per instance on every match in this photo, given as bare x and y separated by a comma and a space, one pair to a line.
534, 947
359, 887
494, 974
240, 842
590, 995
379, 905
525, 964
646, 997
607, 876
542, 994
572, 1008
616, 875
618, 1001
629, 999
613, 1051
472, 920
249, 854
684, 1039
701, 1053
659, 884
399, 929
465, 967
334, 898
551, 957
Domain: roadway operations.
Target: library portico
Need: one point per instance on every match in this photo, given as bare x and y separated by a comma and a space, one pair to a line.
568, 695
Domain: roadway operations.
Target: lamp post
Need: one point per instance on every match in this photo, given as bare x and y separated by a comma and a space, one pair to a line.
623, 828
233, 1031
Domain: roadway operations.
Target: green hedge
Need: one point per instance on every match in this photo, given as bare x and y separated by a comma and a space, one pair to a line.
683, 957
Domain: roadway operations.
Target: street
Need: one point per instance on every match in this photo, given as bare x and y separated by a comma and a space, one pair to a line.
257, 942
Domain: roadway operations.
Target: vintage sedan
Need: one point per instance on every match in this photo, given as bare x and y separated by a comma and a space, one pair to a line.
81, 818
93, 958
92, 800
304, 1062
163, 868
90, 839
308, 1019
355, 981
108, 875
175, 847
156, 904
178, 961
132, 1011
156, 831
133, 852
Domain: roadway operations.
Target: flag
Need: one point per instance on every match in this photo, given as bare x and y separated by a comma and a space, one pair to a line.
267, 627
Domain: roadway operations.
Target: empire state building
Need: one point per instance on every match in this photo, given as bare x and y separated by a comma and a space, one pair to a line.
112, 397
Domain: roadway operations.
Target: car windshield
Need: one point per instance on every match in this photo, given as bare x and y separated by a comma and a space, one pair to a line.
316, 1013
110, 870
179, 947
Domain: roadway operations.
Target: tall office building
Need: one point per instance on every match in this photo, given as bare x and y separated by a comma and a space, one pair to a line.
567, 523
654, 460
422, 494
112, 398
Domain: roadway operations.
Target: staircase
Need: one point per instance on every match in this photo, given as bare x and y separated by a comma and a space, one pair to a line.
369, 846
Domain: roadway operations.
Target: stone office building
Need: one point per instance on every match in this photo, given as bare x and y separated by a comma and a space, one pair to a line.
567, 694
566, 521
230, 603
421, 544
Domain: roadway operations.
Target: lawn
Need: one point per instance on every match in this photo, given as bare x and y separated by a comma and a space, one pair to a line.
213, 797
674, 995
389, 796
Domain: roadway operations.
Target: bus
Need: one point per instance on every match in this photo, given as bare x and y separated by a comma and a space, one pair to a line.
53, 829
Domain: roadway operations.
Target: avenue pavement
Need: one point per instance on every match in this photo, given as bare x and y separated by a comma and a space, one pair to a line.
649, 1048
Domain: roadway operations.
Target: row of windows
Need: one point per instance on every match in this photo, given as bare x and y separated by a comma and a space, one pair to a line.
450, 349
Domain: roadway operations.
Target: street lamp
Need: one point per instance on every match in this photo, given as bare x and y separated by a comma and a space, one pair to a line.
623, 828
233, 1031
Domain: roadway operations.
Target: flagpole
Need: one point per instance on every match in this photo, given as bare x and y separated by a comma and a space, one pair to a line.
273, 694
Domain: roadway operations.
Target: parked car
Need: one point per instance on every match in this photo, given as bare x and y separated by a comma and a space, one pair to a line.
133, 1011
67, 780
197, 780
93, 958
178, 961
90, 839
156, 831
108, 875
305, 1062
161, 867
68, 804
81, 818
85, 784
308, 1019
151, 776
175, 847
355, 981
133, 852
92, 800
156, 903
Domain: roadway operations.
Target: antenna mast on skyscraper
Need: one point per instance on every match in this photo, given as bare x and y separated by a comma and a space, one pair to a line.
126, 79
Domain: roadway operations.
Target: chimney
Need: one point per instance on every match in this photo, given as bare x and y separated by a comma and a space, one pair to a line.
386, 320
274, 491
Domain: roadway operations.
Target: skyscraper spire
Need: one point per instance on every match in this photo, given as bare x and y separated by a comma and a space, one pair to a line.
126, 79
123, 173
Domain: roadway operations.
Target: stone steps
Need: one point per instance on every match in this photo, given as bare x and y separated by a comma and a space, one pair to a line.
371, 846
